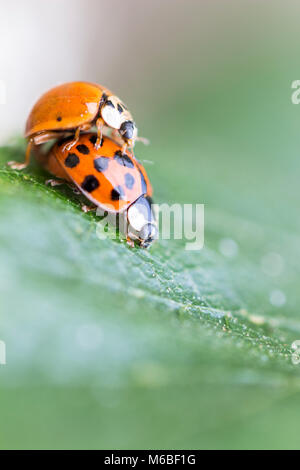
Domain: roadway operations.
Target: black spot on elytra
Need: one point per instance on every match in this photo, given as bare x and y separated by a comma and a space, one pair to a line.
123, 159
117, 193
83, 149
101, 163
90, 183
120, 109
59, 118
72, 160
129, 181
144, 184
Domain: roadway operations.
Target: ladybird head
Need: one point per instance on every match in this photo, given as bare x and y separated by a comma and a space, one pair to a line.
142, 225
128, 131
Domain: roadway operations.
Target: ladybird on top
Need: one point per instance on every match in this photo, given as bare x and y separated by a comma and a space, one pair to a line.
101, 168
74, 107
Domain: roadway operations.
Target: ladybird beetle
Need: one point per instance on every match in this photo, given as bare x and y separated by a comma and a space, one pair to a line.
112, 180
75, 107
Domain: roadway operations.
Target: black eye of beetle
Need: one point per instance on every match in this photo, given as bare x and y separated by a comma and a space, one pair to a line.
127, 129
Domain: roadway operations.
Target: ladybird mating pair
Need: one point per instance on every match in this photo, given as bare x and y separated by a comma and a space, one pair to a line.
114, 181
101, 168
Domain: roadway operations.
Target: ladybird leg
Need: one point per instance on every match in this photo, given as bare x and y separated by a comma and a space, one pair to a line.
44, 137
71, 144
36, 140
87, 209
99, 125
20, 166
124, 148
54, 182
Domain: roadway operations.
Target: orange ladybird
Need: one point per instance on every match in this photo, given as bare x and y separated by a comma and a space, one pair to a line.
74, 107
112, 180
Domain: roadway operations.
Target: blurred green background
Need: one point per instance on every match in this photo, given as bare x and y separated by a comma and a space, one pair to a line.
109, 347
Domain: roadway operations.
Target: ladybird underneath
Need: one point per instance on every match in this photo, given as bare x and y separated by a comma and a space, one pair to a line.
108, 177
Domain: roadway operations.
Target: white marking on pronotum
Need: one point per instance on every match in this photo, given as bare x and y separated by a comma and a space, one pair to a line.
136, 218
111, 116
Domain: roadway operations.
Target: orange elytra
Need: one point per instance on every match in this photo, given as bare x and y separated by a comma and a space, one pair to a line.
74, 107
114, 181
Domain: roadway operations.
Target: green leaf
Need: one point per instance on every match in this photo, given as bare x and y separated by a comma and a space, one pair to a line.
113, 347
